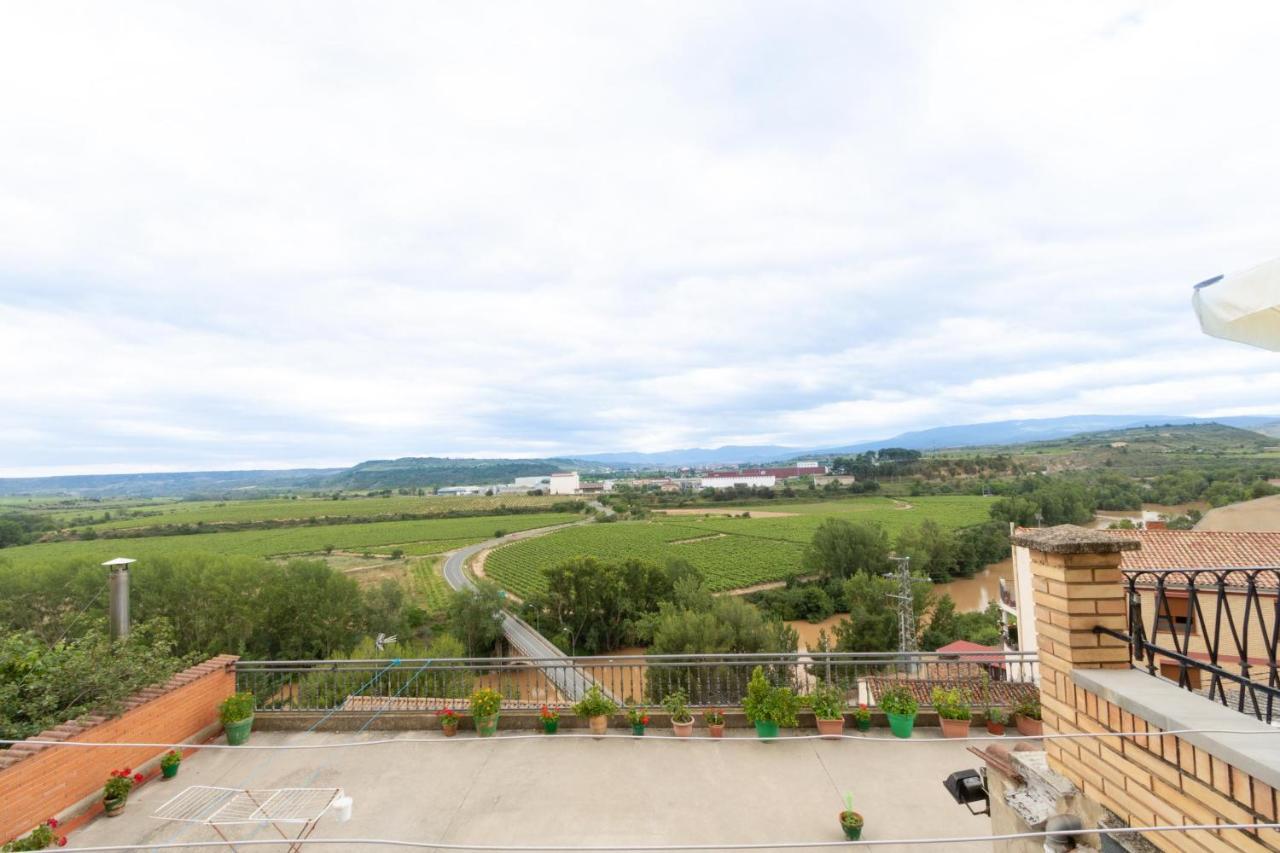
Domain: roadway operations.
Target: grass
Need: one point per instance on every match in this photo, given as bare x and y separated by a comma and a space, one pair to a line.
429, 536
731, 553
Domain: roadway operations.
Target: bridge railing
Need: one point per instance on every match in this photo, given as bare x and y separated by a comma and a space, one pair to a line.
710, 680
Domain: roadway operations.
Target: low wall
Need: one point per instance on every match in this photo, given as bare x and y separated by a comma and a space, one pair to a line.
39, 781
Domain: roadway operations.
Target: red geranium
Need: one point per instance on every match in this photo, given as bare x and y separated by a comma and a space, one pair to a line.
62, 842
644, 721
52, 822
137, 777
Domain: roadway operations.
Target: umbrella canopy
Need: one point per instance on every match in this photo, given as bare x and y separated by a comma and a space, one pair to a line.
1243, 306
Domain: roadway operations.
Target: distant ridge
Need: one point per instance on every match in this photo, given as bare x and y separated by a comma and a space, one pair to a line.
430, 472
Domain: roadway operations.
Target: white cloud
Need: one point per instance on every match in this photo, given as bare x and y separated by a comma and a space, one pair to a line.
235, 235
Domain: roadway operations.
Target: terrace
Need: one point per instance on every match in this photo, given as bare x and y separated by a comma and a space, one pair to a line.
520, 788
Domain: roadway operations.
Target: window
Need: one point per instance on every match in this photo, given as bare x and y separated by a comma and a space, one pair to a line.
1179, 608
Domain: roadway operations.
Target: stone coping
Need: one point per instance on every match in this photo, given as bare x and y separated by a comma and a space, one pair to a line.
1070, 539
1169, 707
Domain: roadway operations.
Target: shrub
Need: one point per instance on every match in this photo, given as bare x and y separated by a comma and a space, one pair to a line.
1029, 708
768, 704
676, 704
714, 717
594, 704
951, 704
171, 758
485, 702
236, 707
40, 838
827, 702
898, 700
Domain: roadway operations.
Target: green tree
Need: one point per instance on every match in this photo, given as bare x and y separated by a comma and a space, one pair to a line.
475, 618
872, 625
840, 549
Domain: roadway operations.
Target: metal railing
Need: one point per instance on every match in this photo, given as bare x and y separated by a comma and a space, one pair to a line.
709, 680
1212, 631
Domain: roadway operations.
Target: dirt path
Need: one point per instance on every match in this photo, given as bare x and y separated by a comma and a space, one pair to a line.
897, 504
698, 539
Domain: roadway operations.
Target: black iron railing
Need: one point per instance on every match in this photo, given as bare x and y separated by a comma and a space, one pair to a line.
1212, 631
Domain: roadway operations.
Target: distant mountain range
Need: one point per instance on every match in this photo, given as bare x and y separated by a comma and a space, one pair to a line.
431, 472
964, 435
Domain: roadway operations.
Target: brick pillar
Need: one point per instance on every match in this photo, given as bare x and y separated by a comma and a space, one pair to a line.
1077, 584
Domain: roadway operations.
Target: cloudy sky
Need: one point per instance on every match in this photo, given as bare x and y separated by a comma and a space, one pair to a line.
290, 234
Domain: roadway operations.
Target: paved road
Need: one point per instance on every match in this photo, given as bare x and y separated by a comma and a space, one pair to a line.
570, 680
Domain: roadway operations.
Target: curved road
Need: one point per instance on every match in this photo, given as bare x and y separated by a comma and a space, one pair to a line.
570, 680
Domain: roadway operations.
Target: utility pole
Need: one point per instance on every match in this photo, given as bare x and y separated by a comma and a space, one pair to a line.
906, 603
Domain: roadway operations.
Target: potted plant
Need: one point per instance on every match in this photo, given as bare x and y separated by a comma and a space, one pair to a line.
900, 707
862, 718
596, 708
850, 821
995, 721
676, 704
40, 838
827, 702
169, 763
715, 721
485, 705
954, 714
768, 707
1027, 717
550, 719
449, 720
638, 719
236, 714
116, 791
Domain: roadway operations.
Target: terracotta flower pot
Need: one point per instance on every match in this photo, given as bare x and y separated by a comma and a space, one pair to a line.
1030, 727
954, 728
994, 728
449, 731
831, 728
599, 724
716, 730
684, 729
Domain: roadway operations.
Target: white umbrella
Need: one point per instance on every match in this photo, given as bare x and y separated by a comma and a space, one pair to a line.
1243, 306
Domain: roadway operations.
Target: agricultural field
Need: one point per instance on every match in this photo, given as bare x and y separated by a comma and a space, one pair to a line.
428, 586
730, 552
426, 536
150, 514
727, 562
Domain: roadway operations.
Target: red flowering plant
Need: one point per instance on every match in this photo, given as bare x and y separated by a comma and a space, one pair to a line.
40, 838
863, 714
549, 715
119, 785
448, 718
637, 715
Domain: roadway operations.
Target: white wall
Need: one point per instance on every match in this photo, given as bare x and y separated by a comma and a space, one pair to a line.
729, 482
564, 484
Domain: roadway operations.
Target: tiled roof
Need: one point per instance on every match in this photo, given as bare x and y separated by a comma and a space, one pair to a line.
977, 690
959, 647
1200, 549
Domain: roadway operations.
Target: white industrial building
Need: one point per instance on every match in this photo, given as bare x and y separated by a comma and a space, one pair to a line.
728, 480
564, 484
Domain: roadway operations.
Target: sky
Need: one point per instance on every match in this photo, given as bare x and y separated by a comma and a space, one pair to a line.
240, 235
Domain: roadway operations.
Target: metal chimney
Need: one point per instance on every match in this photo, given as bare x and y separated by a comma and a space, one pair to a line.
118, 607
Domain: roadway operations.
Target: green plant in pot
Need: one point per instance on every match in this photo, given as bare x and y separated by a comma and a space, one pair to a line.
996, 720
954, 713
115, 793
638, 719
169, 763
485, 705
900, 707
850, 821
862, 717
768, 707
596, 709
676, 704
41, 837
827, 702
236, 714
1027, 717
550, 719
714, 719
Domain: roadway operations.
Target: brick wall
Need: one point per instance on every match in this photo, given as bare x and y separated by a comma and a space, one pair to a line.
39, 781
1149, 780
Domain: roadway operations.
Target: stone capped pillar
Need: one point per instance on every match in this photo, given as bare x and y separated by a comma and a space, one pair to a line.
1077, 585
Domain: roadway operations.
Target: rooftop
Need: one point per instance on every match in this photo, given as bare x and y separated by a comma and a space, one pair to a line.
576, 790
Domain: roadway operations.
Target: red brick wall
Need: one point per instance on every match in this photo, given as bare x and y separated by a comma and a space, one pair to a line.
39, 781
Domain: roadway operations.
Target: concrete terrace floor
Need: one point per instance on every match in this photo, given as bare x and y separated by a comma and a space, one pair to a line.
576, 790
